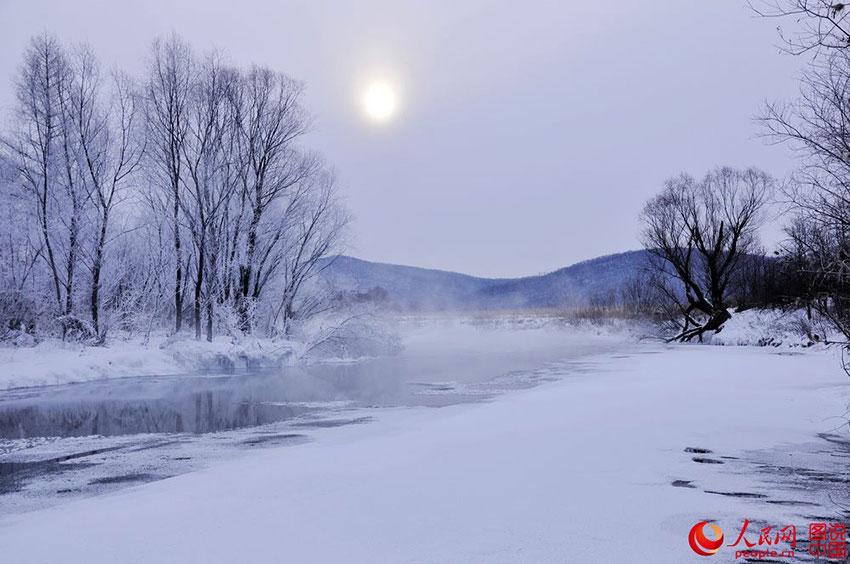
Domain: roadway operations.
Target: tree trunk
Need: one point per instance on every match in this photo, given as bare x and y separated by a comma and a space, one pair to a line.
245, 272
199, 280
178, 283
715, 322
71, 265
209, 320
97, 267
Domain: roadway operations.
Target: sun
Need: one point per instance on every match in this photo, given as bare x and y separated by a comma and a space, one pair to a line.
380, 101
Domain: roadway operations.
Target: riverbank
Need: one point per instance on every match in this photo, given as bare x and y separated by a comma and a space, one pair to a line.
53, 362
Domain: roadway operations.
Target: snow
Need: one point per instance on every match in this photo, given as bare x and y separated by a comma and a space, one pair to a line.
773, 327
53, 362
577, 470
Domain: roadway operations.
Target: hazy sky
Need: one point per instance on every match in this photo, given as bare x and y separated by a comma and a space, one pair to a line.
529, 133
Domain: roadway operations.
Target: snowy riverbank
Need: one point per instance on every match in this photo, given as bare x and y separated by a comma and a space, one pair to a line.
53, 362
578, 470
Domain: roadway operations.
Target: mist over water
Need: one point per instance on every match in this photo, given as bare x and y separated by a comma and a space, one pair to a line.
442, 363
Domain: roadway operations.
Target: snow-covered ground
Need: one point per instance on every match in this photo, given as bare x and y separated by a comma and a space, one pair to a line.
53, 362
577, 470
774, 328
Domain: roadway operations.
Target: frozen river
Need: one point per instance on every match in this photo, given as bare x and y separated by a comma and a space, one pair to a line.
62, 442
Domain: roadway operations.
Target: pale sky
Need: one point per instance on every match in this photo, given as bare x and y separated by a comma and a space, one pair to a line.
528, 135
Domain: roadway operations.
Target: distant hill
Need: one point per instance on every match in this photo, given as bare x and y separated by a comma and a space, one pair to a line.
421, 289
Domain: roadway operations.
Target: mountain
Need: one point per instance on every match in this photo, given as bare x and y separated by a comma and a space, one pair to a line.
422, 289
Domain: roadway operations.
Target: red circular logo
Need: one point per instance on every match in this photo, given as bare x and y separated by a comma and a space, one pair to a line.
700, 543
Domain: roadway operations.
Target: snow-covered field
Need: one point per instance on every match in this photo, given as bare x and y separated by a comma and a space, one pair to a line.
577, 470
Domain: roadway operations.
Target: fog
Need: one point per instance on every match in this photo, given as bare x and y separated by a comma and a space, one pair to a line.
494, 357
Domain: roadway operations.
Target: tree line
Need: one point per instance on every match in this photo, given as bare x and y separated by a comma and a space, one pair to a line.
703, 234
182, 197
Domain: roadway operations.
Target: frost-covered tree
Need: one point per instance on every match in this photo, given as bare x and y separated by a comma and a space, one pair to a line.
269, 121
46, 149
103, 123
189, 181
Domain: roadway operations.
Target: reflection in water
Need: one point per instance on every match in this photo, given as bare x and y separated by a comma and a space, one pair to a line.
194, 404
204, 404
178, 404
195, 412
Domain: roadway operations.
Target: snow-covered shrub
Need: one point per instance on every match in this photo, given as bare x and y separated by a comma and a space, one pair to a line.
18, 314
773, 327
76, 329
332, 337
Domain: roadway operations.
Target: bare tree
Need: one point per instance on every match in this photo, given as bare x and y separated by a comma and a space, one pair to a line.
170, 74
820, 24
817, 128
815, 255
698, 231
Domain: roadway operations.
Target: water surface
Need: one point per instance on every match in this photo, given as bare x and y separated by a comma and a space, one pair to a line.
58, 442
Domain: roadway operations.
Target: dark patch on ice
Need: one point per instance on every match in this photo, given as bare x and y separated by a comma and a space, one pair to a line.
153, 445
329, 423
124, 478
703, 460
747, 495
274, 438
818, 518
181, 458
792, 503
695, 450
82, 454
68, 490
15, 474
435, 387
804, 474
682, 484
